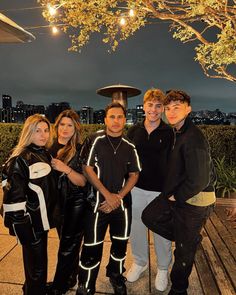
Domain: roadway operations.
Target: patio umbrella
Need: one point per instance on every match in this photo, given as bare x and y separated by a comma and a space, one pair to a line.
10, 32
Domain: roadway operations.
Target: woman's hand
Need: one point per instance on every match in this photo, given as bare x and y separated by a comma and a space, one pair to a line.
60, 166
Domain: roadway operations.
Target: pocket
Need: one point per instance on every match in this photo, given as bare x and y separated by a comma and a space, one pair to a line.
24, 230
34, 211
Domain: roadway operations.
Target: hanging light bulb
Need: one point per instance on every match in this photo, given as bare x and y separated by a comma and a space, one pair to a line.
131, 13
122, 21
52, 10
55, 30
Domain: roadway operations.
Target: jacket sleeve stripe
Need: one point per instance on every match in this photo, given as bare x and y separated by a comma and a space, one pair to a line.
43, 208
14, 207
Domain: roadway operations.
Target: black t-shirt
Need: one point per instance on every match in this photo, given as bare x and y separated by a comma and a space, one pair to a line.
113, 159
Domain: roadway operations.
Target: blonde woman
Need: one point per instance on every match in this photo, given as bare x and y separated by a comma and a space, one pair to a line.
30, 200
65, 150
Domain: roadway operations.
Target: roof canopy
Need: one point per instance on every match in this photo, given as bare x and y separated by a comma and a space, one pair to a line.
10, 32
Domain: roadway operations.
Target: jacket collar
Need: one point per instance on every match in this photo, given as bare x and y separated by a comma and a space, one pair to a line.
187, 123
35, 147
162, 125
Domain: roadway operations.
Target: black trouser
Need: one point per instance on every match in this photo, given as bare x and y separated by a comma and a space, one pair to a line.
70, 242
96, 226
184, 228
35, 266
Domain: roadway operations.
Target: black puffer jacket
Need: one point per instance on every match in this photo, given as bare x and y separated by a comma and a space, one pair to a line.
30, 200
190, 166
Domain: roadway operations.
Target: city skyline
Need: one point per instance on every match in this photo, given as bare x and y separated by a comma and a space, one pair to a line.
14, 105
18, 114
45, 72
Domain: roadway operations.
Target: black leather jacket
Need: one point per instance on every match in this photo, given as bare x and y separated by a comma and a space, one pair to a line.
30, 200
68, 190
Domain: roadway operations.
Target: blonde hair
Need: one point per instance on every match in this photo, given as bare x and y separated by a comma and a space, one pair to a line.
27, 132
154, 94
66, 153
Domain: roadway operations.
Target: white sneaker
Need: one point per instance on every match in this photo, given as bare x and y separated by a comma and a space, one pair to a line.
135, 272
161, 281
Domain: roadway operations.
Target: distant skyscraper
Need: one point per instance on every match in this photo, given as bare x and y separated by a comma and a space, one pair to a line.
86, 115
22, 111
6, 101
98, 117
139, 113
131, 115
54, 109
6, 115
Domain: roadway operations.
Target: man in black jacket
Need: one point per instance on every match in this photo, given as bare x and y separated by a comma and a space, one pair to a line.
188, 188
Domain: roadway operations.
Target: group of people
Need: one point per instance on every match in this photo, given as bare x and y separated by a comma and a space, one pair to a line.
110, 180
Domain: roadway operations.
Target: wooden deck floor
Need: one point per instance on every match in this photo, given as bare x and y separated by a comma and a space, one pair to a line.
215, 261
214, 272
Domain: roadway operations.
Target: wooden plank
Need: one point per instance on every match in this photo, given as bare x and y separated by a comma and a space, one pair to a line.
221, 213
216, 265
226, 236
205, 274
223, 252
195, 285
228, 202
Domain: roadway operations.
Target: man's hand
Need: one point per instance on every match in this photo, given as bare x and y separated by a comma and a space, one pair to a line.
172, 198
113, 200
104, 207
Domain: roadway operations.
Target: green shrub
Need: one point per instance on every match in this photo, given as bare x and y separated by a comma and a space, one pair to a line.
226, 178
222, 140
9, 134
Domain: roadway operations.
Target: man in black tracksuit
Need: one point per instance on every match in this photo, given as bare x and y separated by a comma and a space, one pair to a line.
188, 188
112, 167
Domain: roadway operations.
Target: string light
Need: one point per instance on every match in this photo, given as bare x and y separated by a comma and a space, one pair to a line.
122, 21
131, 13
55, 30
52, 10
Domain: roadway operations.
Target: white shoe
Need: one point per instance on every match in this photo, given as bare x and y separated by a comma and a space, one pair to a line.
135, 272
161, 281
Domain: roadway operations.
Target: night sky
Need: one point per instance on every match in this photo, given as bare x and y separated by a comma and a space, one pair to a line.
44, 71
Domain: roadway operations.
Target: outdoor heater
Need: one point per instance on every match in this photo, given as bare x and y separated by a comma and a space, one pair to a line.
119, 93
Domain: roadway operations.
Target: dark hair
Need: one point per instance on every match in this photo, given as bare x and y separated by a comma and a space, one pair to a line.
114, 105
176, 95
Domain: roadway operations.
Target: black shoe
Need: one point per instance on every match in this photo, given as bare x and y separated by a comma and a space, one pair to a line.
55, 292
82, 290
50, 290
173, 292
118, 284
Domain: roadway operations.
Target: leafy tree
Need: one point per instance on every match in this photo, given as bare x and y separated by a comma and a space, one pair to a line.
209, 23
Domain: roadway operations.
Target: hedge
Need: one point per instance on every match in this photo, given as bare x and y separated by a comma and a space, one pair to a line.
222, 139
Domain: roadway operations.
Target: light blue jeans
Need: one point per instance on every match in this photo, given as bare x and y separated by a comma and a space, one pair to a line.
138, 237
